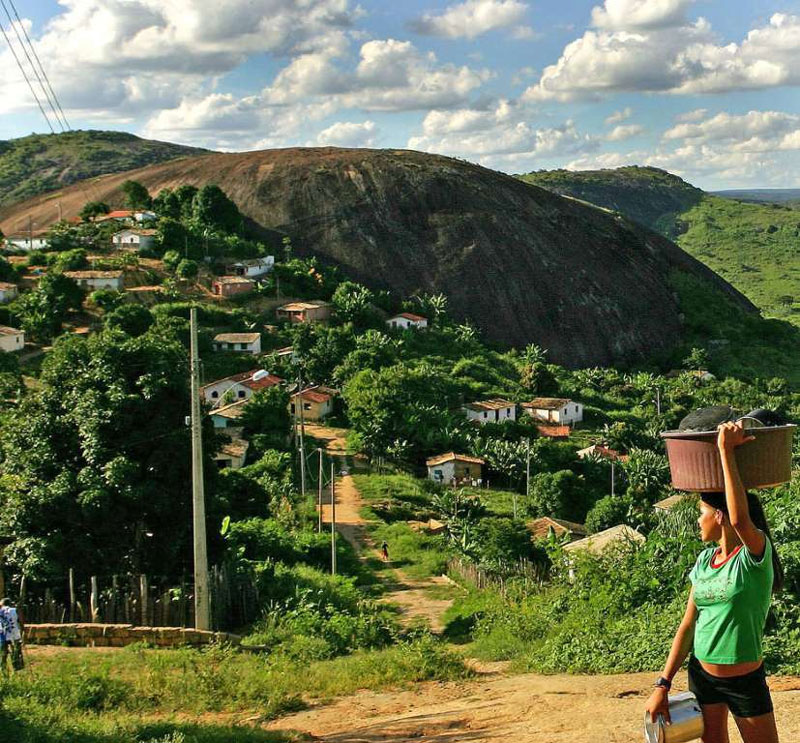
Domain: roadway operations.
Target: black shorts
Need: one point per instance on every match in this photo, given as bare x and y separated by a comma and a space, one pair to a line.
746, 695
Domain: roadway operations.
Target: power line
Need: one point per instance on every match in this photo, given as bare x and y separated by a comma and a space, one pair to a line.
24, 72
41, 68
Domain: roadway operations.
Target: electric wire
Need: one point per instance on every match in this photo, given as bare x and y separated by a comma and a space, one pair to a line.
46, 86
25, 74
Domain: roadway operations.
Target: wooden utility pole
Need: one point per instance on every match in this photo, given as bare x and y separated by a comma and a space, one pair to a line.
333, 520
202, 613
528, 473
299, 406
612, 477
319, 494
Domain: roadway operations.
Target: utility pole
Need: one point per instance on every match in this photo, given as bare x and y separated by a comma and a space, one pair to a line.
658, 400
202, 614
612, 477
333, 520
319, 494
302, 435
30, 231
528, 474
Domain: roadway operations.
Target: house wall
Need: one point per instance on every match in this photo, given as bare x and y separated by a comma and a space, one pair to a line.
93, 284
405, 323
239, 347
455, 469
566, 415
12, 342
23, 243
215, 392
312, 411
6, 295
492, 416
229, 290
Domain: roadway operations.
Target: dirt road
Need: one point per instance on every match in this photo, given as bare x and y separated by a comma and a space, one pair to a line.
413, 597
498, 708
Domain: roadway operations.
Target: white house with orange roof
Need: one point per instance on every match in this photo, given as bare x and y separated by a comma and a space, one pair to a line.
238, 387
11, 339
406, 320
455, 469
317, 402
554, 410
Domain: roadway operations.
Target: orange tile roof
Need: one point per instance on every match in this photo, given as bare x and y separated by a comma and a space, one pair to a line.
442, 458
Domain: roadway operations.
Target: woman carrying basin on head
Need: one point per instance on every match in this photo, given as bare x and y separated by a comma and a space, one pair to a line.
723, 625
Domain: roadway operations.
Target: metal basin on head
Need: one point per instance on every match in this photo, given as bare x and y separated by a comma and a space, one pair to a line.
695, 464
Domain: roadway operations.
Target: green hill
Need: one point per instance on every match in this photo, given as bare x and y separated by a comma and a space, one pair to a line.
44, 162
753, 246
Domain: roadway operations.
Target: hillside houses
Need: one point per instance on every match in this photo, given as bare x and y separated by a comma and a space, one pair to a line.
127, 216
602, 540
238, 386
314, 310
557, 410
242, 342
134, 239
92, 280
455, 469
11, 339
8, 292
231, 286
317, 402
496, 410
251, 268
406, 320
542, 527
30, 240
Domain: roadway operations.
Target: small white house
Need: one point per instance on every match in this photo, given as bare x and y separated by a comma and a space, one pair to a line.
602, 540
36, 240
8, 291
92, 280
251, 267
11, 339
228, 416
407, 320
134, 239
554, 410
232, 454
491, 411
242, 342
237, 387
455, 469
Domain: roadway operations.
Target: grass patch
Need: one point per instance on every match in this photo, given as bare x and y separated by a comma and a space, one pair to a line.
417, 554
82, 696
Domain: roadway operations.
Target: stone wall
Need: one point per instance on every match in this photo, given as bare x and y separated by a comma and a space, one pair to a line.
119, 635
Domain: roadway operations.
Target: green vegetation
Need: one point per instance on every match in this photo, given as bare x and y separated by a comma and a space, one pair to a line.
141, 696
45, 162
752, 246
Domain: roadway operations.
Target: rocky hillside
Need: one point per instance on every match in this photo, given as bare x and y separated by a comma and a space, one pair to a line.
753, 246
523, 264
45, 162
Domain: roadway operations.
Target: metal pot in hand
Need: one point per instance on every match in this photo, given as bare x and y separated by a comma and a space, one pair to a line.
686, 721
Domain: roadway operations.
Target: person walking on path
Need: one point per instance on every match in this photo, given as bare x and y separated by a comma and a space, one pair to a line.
723, 627
385, 551
12, 632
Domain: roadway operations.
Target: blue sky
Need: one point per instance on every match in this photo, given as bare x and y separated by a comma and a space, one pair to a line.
707, 89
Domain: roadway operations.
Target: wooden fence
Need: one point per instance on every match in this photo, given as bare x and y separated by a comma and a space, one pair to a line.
530, 574
139, 600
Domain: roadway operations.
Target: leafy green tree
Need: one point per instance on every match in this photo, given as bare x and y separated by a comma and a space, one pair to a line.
212, 207
96, 461
41, 311
171, 259
187, 269
106, 299
502, 541
167, 204
172, 236
557, 494
266, 418
7, 271
11, 384
609, 511
353, 303
648, 475
185, 194
92, 209
68, 260
136, 195
697, 359
133, 319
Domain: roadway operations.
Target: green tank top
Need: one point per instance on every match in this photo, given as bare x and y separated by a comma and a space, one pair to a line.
732, 602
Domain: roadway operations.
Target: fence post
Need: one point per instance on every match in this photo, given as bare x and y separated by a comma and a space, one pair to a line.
143, 599
71, 595
93, 602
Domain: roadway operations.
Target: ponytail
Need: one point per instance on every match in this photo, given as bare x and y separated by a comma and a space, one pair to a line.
759, 519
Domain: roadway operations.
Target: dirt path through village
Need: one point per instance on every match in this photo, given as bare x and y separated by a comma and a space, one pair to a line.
500, 708
412, 596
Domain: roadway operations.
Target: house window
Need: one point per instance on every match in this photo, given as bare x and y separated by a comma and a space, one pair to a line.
484, 413
293, 409
576, 408
438, 475
243, 346
241, 393
214, 395
306, 406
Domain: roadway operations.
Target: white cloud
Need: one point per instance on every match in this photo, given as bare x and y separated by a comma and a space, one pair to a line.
619, 116
348, 134
640, 14
755, 131
624, 131
694, 115
471, 18
498, 136
139, 55
662, 53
